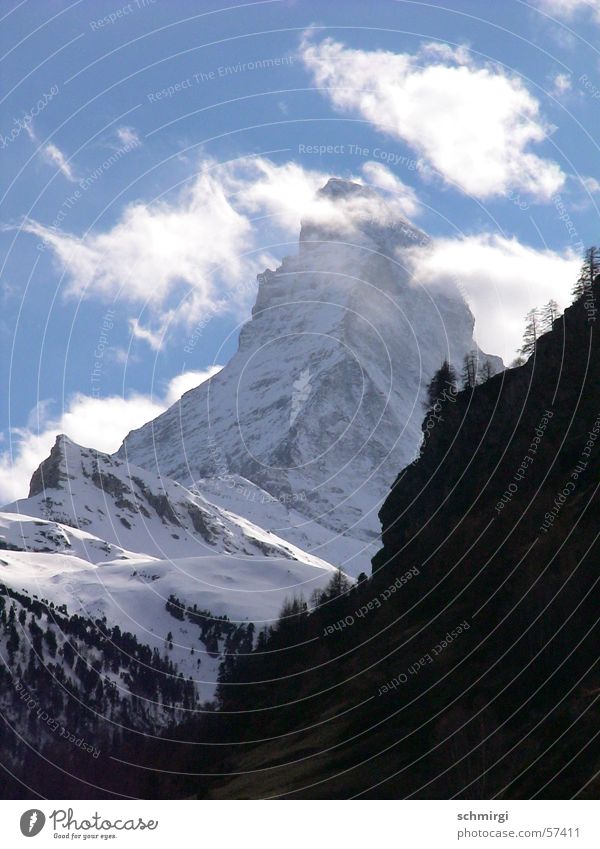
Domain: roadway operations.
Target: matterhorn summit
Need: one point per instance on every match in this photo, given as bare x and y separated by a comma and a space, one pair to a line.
304, 430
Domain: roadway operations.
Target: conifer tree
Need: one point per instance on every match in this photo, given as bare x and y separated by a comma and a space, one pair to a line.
12, 644
589, 271
68, 653
50, 638
337, 586
442, 384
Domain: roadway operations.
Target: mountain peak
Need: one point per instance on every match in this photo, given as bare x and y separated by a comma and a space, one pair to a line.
336, 188
63, 441
346, 212
52, 472
321, 404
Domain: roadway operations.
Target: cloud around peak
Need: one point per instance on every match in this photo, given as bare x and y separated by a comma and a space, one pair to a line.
471, 122
501, 278
197, 253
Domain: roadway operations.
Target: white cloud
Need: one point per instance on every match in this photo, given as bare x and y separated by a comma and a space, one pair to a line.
182, 383
128, 137
472, 123
378, 175
153, 248
561, 84
55, 156
289, 194
98, 422
201, 244
502, 279
198, 253
284, 193
569, 8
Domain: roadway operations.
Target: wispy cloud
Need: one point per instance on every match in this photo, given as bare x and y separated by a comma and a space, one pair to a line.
377, 175
591, 185
561, 84
154, 338
52, 154
128, 137
569, 8
198, 253
55, 156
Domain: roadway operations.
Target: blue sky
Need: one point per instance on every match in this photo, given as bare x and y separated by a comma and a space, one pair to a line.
157, 155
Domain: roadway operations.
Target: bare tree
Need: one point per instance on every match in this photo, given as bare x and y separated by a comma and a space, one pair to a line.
549, 315
532, 332
469, 372
485, 372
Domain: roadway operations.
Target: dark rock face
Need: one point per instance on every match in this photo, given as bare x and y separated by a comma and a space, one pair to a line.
501, 456
201, 523
476, 677
51, 474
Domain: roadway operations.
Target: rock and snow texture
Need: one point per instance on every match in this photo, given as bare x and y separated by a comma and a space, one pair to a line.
133, 595
113, 542
321, 406
19, 532
243, 493
121, 511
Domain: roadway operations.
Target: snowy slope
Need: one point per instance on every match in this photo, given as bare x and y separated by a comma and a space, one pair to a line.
133, 595
283, 518
322, 403
124, 509
113, 541
29, 533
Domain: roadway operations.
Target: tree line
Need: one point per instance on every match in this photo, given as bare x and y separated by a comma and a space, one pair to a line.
539, 321
446, 382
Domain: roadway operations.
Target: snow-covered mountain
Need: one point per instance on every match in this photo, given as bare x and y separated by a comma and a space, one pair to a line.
188, 609
322, 403
19, 532
285, 456
126, 580
127, 512
99, 541
104, 540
